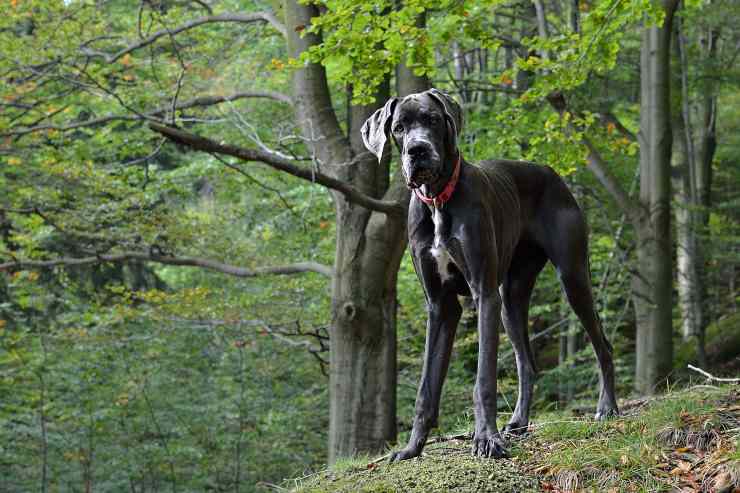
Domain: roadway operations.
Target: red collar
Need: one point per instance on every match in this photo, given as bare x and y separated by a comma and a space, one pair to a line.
448, 190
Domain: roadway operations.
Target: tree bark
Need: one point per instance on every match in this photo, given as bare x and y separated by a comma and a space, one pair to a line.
363, 330
652, 281
368, 252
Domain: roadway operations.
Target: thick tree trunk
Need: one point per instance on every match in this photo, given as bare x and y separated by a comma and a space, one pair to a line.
363, 331
369, 248
362, 376
652, 282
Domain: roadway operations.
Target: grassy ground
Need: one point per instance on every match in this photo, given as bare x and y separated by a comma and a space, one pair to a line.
684, 441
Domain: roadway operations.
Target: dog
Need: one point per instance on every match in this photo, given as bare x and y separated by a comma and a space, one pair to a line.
485, 231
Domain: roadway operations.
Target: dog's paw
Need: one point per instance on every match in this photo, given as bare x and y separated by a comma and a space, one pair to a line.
403, 454
490, 446
605, 412
515, 429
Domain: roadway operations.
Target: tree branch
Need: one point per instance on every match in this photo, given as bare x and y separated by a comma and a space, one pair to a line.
598, 166
286, 165
200, 101
231, 270
228, 17
712, 377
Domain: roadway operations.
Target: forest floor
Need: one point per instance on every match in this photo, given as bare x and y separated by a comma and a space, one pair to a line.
683, 441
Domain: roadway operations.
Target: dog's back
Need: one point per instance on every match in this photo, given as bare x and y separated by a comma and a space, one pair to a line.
518, 192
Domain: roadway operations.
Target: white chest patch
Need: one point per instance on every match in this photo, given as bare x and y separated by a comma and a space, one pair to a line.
440, 253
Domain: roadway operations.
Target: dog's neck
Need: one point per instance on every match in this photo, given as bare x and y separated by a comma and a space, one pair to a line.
429, 194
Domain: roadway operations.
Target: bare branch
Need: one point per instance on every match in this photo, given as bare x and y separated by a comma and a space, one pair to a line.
232, 270
228, 17
286, 165
601, 171
200, 101
213, 100
712, 377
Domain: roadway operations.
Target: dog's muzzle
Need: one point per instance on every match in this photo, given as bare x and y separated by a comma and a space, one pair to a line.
420, 164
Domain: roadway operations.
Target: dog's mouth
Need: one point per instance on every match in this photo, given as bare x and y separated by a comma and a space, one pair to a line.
424, 176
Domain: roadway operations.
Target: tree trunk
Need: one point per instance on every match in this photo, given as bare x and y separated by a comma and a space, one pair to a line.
704, 149
369, 248
363, 331
695, 153
652, 282
688, 252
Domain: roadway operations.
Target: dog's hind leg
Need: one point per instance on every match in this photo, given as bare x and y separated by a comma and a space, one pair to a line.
570, 256
516, 292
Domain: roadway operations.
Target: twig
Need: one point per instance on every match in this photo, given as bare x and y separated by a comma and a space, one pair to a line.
712, 377
447, 438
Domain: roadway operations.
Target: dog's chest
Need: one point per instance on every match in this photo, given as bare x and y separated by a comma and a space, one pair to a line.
438, 250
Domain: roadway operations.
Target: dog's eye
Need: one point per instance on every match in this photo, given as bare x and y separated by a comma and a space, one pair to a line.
397, 128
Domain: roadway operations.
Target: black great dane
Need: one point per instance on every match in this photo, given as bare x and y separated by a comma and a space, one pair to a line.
484, 231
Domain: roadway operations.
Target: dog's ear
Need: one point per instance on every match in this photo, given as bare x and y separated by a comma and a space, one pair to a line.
452, 110
375, 130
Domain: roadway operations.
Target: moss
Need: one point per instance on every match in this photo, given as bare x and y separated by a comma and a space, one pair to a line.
443, 467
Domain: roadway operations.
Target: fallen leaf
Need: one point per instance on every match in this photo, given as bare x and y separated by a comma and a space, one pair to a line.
722, 481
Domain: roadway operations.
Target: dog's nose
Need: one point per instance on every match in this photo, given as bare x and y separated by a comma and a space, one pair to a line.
418, 150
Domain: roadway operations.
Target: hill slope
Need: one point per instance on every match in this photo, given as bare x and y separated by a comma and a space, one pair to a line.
684, 441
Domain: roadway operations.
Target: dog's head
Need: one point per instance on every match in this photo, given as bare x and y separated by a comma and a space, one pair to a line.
425, 128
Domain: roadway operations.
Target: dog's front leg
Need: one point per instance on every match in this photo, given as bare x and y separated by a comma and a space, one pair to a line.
444, 313
487, 441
